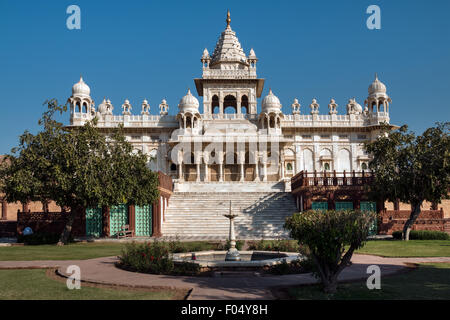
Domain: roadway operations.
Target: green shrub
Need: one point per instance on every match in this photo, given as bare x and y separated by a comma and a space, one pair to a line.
151, 257
274, 245
296, 266
397, 235
176, 246
327, 234
39, 238
423, 235
154, 257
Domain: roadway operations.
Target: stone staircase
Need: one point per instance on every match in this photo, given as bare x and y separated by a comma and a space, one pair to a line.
200, 215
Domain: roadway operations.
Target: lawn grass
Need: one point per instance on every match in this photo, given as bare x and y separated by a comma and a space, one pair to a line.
34, 284
73, 251
83, 250
411, 248
430, 281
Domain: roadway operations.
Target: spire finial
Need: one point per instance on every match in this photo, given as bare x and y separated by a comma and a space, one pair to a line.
376, 76
228, 18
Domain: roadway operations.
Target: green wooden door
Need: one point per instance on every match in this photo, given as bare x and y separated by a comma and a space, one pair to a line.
118, 216
94, 222
143, 221
344, 205
319, 206
370, 206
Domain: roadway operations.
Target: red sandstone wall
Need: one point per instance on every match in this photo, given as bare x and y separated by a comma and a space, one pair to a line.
434, 220
32, 206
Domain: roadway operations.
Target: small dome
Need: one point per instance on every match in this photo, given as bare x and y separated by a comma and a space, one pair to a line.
81, 88
271, 103
103, 107
188, 103
358, 108
377, 86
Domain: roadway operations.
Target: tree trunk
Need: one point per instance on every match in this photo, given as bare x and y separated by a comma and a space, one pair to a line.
329, 276
412, 218
63, 239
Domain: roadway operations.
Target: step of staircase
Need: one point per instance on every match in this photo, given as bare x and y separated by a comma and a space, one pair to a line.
200, 215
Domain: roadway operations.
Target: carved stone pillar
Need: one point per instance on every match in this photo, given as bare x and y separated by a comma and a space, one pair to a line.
198, 172
242, 172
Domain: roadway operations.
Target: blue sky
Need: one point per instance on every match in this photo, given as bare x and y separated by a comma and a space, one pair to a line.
151, 49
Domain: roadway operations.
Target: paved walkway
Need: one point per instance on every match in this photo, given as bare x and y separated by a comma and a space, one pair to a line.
102, 270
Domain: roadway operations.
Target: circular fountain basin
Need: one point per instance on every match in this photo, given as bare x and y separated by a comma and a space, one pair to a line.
250, 260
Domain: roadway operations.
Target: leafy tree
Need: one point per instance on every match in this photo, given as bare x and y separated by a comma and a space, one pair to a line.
326, 234
77, 167
411, 169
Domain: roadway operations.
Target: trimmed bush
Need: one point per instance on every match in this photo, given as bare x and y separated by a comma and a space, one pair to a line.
274, 245
296, 266
398, 235
227, 245
154, 257
423, 235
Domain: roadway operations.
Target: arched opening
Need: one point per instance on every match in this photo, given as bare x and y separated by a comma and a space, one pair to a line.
326, 166
230, 104
364, 166
244, 104
272, 122
374, 107
344, 160
188, 122
215, 108
308, 160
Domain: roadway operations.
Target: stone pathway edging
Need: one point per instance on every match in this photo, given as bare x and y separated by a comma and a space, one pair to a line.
103, 271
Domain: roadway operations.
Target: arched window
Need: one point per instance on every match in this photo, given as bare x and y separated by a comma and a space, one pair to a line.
244, 104
326, 166
364, 166
215, 104
289, 166
173, 167
229, 101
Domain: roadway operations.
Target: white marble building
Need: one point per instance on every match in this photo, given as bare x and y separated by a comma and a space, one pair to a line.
256, 145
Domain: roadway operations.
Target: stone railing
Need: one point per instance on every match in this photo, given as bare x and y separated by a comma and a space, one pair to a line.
229, 74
